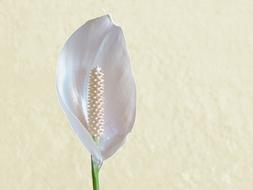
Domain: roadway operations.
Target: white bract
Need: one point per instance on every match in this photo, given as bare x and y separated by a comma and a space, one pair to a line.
98, 43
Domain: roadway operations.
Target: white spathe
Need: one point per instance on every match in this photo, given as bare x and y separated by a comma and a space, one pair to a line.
101, 43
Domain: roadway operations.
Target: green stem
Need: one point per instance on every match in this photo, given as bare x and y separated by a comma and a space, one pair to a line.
95, 174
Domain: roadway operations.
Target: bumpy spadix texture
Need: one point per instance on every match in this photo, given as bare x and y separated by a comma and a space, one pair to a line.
98, 43
96, 103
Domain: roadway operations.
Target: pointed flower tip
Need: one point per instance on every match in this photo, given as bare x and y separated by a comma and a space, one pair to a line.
104, 17
110, 18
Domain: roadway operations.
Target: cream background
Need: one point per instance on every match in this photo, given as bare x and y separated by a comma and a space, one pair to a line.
193, 64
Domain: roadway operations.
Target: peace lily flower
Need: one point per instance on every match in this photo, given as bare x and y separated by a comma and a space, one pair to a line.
96, 88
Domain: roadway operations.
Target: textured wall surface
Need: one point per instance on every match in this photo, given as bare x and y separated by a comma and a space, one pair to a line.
193, 64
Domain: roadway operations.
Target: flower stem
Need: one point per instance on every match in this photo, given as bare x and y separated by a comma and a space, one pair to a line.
95, 174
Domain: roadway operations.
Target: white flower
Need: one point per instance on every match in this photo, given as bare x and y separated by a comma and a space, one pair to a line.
98, 43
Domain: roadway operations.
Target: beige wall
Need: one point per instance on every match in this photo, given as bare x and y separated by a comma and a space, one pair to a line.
193, 64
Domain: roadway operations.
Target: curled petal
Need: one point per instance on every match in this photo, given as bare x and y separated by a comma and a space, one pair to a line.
119, 91
98, 42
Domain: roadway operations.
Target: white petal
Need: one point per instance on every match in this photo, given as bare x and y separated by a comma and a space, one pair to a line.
120, 92
98, 42
75, 61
